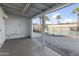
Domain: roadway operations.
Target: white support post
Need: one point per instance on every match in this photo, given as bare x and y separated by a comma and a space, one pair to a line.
43, 32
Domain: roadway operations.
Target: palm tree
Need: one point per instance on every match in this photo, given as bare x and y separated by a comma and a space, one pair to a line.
58, 17
44, 26
40, 20
43, 20
76, 11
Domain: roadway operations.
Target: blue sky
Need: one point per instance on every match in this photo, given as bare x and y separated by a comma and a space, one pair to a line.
66, 15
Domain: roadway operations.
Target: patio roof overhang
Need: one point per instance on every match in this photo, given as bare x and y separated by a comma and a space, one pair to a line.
31, 10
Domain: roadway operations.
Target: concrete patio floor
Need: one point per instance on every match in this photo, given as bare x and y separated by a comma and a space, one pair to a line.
65, 46
25, 47
54, 46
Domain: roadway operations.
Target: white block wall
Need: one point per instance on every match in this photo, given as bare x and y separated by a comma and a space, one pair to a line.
17, 26
3, 17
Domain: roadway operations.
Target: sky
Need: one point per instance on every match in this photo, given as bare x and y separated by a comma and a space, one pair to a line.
66, 15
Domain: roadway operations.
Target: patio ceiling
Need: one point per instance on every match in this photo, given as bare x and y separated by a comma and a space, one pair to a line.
30, 10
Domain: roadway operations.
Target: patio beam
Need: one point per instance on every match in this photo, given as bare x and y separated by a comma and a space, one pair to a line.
54, 8
26, 7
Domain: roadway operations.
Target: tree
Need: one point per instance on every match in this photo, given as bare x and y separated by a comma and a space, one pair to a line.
43, 22
44, 26
58, 17
40, 20
76, 11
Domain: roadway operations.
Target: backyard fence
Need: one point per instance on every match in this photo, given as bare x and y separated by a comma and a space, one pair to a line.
69, 30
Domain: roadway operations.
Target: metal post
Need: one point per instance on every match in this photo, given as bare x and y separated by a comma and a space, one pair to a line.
43, 35
43, 32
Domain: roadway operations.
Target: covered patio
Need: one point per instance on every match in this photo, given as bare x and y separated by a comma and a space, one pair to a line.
18, 39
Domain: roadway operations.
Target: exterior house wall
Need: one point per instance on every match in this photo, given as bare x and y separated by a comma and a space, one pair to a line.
17, 26
3, 17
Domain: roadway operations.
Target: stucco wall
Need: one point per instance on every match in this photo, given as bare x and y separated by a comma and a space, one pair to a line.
17, 26
3, 16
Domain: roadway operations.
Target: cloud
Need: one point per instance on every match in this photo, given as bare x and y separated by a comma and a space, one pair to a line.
55, 15
67, 21
48, 22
